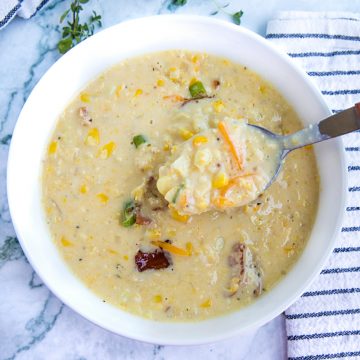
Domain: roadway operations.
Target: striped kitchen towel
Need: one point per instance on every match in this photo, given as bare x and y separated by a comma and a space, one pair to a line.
23, 8
325, 322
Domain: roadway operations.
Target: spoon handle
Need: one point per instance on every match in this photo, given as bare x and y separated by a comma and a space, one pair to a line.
341, 123
338, 124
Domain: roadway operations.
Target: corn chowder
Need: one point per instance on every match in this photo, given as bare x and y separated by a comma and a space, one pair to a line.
137, 187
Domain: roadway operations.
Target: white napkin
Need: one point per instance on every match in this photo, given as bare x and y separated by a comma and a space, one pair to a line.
325, 322
23, 8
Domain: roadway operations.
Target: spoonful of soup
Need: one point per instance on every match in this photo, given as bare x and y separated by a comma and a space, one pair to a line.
231, 165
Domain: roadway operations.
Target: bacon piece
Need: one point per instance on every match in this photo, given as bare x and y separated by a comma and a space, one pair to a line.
151, 260
245, 275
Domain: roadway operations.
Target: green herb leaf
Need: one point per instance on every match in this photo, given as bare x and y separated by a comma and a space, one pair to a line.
237, 17
178, 2
138, 140
129, 214
64, 15
176, 195
65, 45
197, 89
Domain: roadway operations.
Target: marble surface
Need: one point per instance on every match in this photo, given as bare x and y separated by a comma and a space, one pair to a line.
34, 324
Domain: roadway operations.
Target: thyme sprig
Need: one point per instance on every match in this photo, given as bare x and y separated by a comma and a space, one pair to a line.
75, 32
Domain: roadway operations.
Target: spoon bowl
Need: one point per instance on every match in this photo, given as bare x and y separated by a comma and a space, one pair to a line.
333, 126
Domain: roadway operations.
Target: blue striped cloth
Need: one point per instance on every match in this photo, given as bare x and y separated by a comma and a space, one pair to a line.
325, 322
23, 8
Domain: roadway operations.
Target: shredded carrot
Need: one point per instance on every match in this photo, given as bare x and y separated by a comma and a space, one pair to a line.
174, 98
222, 202
227, 138
232, 182
171, 248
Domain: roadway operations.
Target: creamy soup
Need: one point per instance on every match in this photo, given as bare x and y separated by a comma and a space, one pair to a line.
144, 252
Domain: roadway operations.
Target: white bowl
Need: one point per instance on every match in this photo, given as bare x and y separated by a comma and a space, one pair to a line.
70, 74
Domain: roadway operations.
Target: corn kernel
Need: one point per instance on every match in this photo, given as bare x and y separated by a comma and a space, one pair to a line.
195, 59
198, 140
85, 97
164, 184
125, 257
186, 134
113, 252
175, 215
106, 151
172, 69
166, 147
52, 147
262, 89
206, 304
189, 247
118, 90
160, 82
218, 106
138, 92
84, 189
93, 137
220, 180
158, 298
65, 242
103, 198
226, 62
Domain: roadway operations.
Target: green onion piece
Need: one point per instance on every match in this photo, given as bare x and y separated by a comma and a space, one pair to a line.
128, 214
176, 195
197, 89
138, 140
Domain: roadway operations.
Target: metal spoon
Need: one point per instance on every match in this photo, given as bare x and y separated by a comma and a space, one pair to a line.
339, 124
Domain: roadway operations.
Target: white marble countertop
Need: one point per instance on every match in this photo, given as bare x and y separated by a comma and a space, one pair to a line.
34, 324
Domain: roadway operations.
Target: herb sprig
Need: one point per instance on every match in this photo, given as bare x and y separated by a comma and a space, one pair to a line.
75, 32
235, 17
